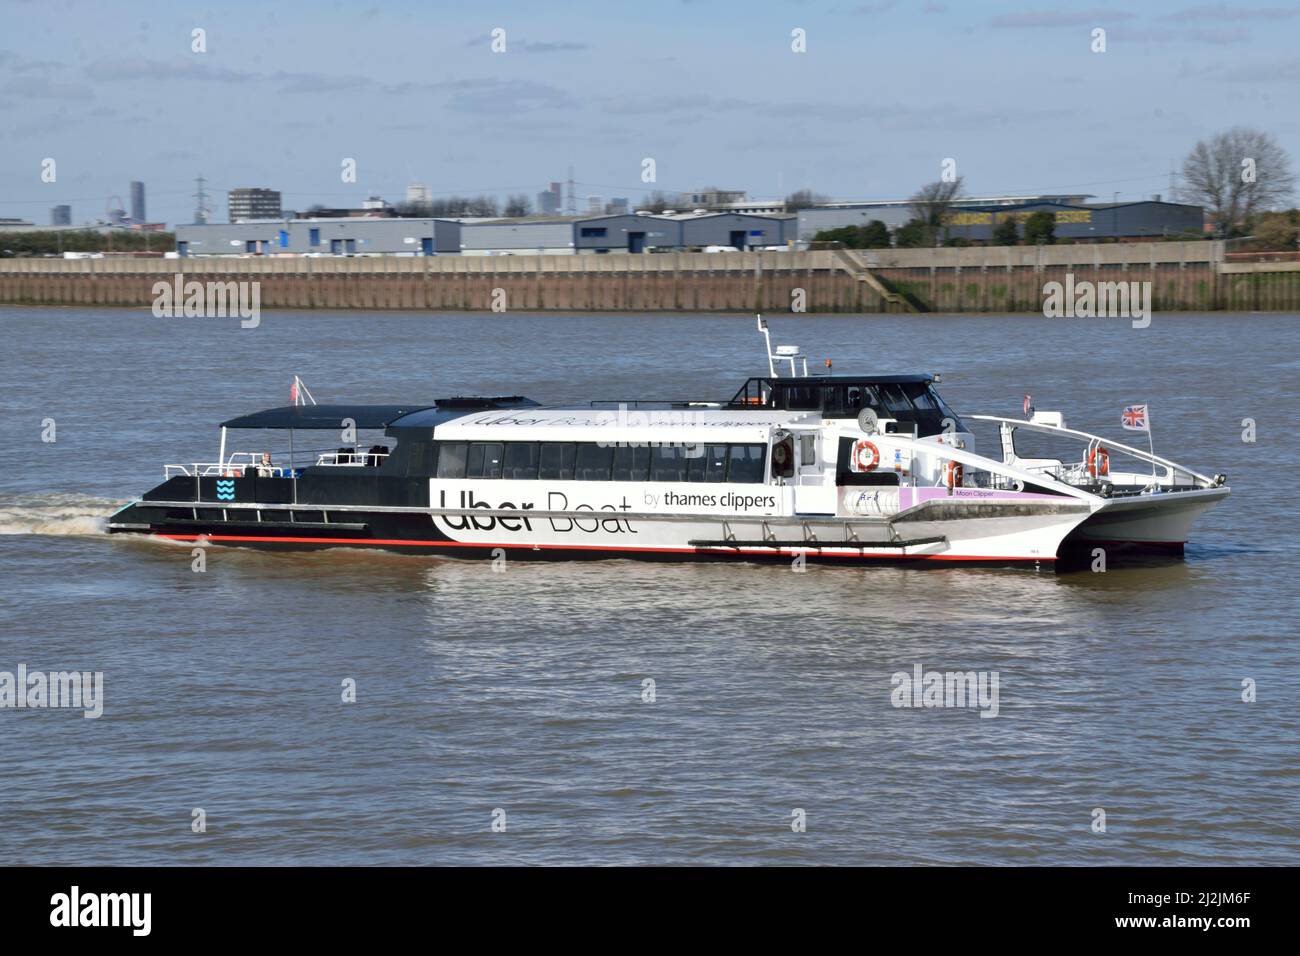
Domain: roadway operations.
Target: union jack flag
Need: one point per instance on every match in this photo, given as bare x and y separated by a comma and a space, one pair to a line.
1136, 419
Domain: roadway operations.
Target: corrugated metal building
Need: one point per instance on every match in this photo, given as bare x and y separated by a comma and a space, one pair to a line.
351, 236
640, 233
1078, 221
514, 237
1130, 220
626, 233
813, 221
739, 230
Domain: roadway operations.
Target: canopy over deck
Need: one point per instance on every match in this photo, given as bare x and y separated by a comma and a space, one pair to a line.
324, 416
373, 416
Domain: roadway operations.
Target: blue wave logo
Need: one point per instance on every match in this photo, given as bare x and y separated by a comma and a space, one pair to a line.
225, 490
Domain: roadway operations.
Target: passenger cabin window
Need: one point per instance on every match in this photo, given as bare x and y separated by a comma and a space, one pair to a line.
451, 459
589, 461
594, 462
521, 460
484, 460
557, 461
631, 462
745, 463
421, 458
709, 464
668, 463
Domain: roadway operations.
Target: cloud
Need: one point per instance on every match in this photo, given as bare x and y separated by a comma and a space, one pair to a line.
36, 88
1039, 19
128, 70
527, 46
1268, 73
559, 46
1222, 11
865, 9
1223, 37
504, 96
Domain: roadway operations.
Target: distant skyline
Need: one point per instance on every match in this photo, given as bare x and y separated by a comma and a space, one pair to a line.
711, 91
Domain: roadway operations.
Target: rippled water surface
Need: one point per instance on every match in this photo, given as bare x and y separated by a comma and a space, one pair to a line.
522, 691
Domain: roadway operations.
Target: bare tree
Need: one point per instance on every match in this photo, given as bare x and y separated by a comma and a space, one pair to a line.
804, 199
931, 203
517, 206
1237, 175
655, 202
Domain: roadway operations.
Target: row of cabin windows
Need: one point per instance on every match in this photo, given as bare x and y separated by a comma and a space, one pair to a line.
589, 461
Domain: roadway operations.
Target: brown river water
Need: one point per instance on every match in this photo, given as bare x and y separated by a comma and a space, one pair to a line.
525, 691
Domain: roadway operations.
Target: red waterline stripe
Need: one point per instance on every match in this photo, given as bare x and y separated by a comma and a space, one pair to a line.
403, 542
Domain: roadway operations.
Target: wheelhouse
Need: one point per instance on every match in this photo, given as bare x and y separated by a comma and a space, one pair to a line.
910, 400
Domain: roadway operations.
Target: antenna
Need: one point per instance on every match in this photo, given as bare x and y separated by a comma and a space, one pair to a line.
767, 339
783, 353
201, 201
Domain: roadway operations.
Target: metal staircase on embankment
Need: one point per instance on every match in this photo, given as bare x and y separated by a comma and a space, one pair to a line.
891, 301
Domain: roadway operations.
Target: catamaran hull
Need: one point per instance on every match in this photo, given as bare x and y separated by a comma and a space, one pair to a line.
997, 533
1158, 523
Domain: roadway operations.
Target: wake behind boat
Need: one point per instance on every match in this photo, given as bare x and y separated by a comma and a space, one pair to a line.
844, 468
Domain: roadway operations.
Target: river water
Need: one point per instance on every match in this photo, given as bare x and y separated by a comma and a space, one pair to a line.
520, 696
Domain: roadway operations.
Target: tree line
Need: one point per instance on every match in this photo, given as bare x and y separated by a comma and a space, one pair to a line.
1242, 179
55, 242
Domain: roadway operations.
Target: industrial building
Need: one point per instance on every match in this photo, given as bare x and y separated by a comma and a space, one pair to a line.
896, 212
644, 232
1146, 219
377, 235
517, 237
339, 237
974, 219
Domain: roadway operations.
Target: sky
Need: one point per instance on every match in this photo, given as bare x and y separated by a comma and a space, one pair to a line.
711, 90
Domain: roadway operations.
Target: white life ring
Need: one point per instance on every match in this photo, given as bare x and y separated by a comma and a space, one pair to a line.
866, 456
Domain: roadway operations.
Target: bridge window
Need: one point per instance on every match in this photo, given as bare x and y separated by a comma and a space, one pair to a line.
896, 402
802, 398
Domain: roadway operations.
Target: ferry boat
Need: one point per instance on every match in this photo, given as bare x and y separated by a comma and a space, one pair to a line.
833, 467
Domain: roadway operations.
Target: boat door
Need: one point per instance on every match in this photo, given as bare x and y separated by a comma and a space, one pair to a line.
814, 476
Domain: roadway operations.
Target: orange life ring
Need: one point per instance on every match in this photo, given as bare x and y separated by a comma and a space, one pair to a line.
863, 448
952, 474
1099, 462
